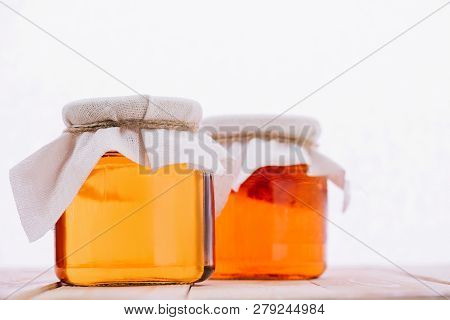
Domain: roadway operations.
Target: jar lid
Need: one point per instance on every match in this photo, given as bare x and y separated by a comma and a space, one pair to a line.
95, 127
257, 141
139, 110
299, 129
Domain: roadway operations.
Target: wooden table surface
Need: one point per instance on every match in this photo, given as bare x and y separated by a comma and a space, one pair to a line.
336, 283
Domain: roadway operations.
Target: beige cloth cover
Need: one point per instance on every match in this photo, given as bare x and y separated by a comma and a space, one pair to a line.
256, 141
45, 183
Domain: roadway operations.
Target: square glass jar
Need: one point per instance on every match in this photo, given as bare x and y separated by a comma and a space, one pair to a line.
274, 226
126, 226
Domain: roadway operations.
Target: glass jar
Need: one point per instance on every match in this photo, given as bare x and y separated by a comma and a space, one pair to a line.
274, 226
130, 227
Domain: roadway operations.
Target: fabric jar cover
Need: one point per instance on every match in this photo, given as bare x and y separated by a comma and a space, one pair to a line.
256, 141
151, 131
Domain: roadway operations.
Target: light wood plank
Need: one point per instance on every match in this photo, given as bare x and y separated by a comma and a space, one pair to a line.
258, 290
439, 274
25, 283
336, 283
379, 283
170, 292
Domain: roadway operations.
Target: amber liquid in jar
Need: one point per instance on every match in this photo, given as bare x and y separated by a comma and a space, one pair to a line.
273, 227
130, 227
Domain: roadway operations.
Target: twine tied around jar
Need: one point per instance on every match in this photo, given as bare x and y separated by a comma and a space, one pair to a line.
134, 124
265, 135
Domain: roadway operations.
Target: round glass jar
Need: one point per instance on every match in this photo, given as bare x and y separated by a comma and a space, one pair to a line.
131, 226
273, 227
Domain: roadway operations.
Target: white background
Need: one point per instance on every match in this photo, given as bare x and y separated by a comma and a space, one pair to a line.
386, 121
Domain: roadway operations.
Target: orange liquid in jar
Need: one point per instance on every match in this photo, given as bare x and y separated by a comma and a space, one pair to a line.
126, 226
273, 227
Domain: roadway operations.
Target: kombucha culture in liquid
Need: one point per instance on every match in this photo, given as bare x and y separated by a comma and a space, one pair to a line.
273, 227
125, 226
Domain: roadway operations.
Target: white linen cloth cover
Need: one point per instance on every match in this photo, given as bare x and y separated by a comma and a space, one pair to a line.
257, 151
45, 183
